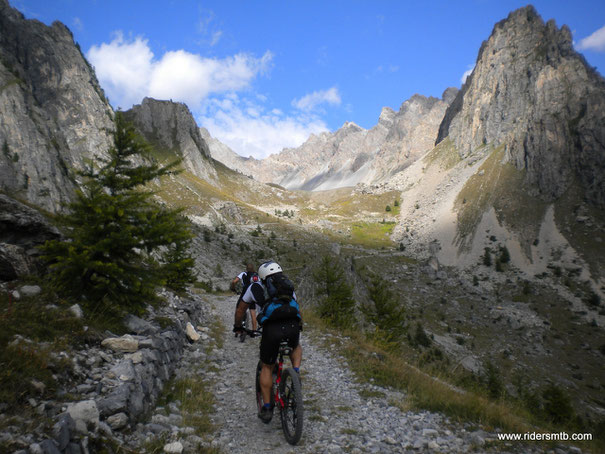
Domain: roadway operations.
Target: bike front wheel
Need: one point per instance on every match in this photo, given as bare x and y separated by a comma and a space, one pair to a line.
292, 412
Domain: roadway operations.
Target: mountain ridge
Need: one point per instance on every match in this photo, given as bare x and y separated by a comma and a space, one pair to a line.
352, 154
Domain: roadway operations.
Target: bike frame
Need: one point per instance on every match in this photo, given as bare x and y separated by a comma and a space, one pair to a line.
280, 365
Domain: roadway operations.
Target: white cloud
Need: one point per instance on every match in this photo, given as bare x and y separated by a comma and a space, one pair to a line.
595, 42
249, 130
216, 36
312, 100
467, 73
129, 71
123, 69
77, 23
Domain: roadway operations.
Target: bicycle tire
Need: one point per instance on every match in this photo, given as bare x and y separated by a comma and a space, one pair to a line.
292, 414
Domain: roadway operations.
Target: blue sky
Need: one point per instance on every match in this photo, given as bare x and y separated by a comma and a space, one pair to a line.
263, 75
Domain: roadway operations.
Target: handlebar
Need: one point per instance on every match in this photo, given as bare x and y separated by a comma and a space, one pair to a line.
249, 332
253, 332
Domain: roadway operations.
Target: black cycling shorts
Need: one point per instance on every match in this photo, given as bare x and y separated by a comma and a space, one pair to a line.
273, 334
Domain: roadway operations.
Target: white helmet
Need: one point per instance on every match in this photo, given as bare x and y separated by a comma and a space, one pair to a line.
268, 268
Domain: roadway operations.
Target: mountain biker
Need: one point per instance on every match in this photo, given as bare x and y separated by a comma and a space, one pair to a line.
246, 278
281, 319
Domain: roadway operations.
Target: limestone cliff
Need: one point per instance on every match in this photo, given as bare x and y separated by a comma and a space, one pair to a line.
519, 161
170, 127
531, 92
53, 114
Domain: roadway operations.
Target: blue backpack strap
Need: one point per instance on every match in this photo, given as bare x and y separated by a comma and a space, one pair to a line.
279, 309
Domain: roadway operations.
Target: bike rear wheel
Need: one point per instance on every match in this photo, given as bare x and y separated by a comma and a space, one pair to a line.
292, 413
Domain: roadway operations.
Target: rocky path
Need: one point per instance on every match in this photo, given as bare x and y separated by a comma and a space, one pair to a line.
341, 415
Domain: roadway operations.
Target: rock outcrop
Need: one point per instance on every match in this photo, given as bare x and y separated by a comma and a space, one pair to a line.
171, 128
54, 113
21, 229
352, 154
532, 93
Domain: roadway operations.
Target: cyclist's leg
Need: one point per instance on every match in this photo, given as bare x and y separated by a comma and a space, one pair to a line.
269, 348
266, 381
253, 316
296, 356
240, 313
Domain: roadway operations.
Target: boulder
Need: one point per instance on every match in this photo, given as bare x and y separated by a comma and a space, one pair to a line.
174, 448
76, 310
118, 421
85, 415
124, 344
30, 290
192, 334
23, 226
14, 262
137, 325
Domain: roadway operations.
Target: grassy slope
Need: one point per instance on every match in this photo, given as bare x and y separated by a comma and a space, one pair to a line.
502, 186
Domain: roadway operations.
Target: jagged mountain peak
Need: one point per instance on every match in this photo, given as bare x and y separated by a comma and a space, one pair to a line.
533, 94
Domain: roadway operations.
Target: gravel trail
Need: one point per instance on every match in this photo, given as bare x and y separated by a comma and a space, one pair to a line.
341, 415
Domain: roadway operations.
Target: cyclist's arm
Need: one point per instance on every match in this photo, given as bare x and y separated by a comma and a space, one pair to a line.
233, 282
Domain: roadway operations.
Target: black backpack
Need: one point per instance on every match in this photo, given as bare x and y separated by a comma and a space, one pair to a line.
279, 286
280, 303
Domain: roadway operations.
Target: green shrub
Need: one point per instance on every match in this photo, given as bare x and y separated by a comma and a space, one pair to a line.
492, 380
44, 328
487, 257
593, 299
557, 405
388, 208
420, 337
218, 270
504, 255
336, 304
384, 310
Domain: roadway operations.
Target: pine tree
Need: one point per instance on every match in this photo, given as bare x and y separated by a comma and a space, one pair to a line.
337, 304
384, 310
114, 230
504, 254
487, 257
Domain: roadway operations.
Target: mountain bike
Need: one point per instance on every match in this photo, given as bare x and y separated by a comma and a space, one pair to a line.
286, 395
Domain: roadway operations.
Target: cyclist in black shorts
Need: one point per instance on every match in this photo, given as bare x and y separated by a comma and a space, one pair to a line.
246, 279
281, 319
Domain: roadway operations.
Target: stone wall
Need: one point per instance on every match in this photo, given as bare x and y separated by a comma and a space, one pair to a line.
121, 379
